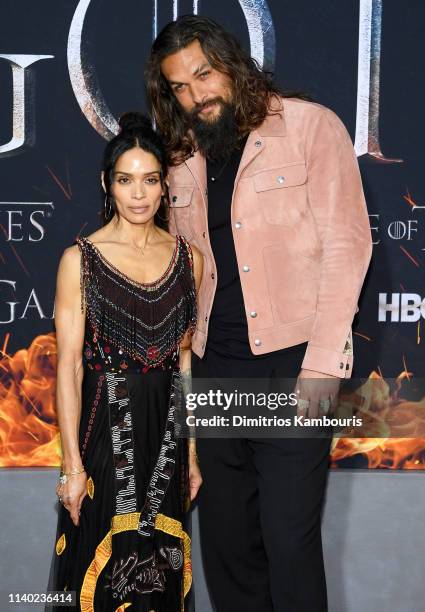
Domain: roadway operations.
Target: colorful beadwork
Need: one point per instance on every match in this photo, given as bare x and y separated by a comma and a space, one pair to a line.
118, 306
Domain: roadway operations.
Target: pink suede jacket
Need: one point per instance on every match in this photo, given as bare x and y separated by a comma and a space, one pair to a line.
301, 234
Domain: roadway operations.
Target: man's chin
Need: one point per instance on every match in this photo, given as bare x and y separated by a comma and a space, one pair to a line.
212, 117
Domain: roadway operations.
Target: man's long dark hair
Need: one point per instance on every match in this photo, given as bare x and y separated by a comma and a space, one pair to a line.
253, 88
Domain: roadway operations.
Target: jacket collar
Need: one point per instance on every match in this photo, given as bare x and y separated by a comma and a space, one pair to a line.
273, 125
198, 167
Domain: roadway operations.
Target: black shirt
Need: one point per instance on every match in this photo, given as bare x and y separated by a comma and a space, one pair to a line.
228, 329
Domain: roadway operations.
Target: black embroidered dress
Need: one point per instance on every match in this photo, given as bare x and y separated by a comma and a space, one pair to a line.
130, 549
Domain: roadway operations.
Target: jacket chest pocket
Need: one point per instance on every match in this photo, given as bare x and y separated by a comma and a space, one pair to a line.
282, 194
180, 207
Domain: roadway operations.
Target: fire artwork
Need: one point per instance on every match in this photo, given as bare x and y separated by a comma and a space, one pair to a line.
29, 435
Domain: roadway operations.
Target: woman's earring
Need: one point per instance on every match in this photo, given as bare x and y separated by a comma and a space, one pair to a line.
165, 205
107, 207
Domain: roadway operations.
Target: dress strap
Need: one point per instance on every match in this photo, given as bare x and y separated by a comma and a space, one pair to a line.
187, 247
86, 265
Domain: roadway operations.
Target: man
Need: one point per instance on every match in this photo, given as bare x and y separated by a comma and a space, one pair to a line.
268, 188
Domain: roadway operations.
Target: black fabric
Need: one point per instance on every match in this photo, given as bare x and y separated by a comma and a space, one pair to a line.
228, 331
129, 547
260, 507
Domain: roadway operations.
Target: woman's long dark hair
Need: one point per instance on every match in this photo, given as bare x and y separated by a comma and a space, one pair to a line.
136, 130
253, 88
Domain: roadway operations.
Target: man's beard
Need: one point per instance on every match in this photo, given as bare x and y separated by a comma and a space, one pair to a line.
218, 138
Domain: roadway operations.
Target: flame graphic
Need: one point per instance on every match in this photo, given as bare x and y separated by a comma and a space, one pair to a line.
399, 423
29, 435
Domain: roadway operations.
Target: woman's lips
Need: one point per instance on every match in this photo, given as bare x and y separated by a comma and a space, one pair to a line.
139, 209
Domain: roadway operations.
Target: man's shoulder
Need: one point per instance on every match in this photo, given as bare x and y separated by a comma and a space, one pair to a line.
296, 110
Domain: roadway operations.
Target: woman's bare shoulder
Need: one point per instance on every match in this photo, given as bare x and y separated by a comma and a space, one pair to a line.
69, 265
99, 236
166, 236
196, 252
198, 258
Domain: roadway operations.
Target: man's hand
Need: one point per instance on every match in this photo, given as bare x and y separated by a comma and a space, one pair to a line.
316, 392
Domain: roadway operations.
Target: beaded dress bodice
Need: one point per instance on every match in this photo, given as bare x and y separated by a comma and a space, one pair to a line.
135, 326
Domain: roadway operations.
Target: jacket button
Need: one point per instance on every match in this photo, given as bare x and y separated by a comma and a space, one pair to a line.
280, 179
206, 318
204, 234
347, 367
341, 365
245, 268
253, 314
174, 198
212, 275
258, 143
257, 342
238, 225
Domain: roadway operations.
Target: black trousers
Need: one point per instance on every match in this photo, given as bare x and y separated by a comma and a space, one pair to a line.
260, 507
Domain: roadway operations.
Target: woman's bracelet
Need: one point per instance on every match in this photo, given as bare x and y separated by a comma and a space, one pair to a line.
72, 472
63, 478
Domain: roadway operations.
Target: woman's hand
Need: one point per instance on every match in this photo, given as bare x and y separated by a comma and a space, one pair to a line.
72, 493
195, 478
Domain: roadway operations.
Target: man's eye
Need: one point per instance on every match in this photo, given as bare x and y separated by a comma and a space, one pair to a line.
178, 88
123, 180
152, 180
203, 75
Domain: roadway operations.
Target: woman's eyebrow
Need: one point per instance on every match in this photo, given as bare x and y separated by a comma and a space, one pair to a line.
144, 174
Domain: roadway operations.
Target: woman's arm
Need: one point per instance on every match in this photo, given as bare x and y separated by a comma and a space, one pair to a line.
185, 369
69, 321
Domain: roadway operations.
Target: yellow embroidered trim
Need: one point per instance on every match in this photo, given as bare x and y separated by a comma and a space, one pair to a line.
61, 544
128, 522
174, 528
123, 607
125, 522
90, 487
101, 557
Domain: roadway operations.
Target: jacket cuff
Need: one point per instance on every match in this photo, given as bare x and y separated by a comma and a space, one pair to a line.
328, 362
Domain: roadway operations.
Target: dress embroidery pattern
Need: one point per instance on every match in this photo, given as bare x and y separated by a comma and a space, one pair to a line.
122, 443
136, 317
164, 468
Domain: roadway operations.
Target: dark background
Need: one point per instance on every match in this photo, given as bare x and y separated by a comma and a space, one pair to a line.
316, 52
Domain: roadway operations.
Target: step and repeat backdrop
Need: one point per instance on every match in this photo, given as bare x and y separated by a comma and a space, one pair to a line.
69, 68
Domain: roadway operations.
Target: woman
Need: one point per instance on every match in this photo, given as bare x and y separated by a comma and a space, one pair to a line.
125, 312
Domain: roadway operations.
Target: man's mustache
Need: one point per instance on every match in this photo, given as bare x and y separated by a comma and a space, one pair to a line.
199, 107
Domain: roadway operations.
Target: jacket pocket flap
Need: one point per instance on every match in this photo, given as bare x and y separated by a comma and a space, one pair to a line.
286, 176
180, 196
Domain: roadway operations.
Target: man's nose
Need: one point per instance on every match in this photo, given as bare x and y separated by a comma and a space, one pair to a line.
199, 95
